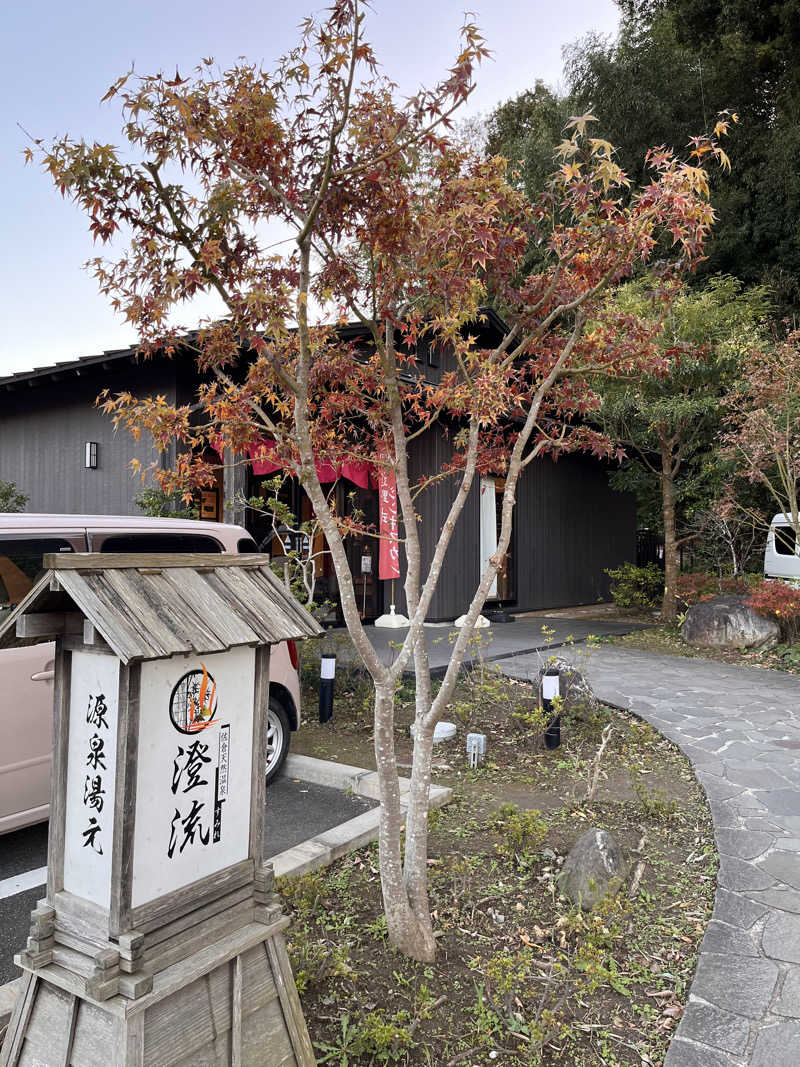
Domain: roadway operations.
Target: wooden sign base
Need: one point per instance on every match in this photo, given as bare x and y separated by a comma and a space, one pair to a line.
232, 1002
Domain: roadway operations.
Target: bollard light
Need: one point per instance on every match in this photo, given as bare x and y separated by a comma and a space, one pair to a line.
476, 749
327, 673
551, 689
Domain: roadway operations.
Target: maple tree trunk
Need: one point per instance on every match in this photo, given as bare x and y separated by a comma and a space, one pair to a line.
669, 604
416, 855
408, 931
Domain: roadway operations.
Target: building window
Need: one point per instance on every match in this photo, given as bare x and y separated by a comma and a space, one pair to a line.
785, 541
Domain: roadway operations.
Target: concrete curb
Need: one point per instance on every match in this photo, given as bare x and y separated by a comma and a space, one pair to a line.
317, 851
323, 849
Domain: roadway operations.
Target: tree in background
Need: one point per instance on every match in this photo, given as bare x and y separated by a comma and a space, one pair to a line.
675, 64
762, 428
668, 420
396, 227
11, 499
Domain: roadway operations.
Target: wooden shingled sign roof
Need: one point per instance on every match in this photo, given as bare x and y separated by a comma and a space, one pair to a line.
154, 606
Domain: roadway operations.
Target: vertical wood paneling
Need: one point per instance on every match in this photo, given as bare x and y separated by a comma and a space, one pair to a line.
43, 429
569, 527
460, 573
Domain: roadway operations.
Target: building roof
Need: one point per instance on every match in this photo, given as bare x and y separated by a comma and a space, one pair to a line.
55, 371
153, 606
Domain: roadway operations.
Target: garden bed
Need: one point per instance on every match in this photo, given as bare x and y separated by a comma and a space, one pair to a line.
668, 640
520, 977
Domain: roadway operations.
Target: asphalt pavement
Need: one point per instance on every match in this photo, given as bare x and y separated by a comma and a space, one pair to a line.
296, 810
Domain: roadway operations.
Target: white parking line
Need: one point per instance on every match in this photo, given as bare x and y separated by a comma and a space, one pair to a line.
20, 883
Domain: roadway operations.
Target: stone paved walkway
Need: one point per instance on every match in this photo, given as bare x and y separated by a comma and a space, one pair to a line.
740, 727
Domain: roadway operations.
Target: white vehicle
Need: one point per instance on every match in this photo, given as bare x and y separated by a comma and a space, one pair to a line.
26, 673
782, 554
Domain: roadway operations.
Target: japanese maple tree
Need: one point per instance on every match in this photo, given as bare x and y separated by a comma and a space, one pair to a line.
396, 226
762, 435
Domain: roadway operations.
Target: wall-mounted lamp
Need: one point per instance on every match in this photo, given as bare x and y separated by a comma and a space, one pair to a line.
90, 455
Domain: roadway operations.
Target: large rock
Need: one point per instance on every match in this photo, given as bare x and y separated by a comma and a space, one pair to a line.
727, 622
594, 869
576, 693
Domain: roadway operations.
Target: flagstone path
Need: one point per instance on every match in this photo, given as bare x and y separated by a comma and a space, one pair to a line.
740, 727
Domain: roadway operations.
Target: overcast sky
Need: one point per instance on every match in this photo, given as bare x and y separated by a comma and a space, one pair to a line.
57, 60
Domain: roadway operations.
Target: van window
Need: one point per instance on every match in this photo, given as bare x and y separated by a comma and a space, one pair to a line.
246, 544
159, 542
21, 565
785, 540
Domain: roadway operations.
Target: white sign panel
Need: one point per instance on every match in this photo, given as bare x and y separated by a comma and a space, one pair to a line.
194, 767
91, 776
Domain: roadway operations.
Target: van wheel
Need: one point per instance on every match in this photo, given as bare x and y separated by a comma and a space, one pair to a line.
277, 737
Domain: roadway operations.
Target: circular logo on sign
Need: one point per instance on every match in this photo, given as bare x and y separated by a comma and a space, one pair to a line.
193, 703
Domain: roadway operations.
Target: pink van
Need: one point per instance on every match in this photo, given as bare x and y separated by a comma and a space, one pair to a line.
26, 674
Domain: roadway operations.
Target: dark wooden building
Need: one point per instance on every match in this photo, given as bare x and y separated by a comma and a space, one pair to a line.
569, 526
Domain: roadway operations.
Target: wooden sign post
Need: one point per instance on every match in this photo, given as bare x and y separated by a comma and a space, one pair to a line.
160, 940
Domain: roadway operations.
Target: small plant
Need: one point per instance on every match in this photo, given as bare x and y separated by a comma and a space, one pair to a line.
594, 775
523, 831
789, 657
462, 870
636, 588
314, 960
380, 1038
156, 503
654, 803
11, 499
378, 928
302, 894
338, 1052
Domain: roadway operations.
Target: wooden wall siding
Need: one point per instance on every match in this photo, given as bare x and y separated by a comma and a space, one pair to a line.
43, 430
460, 573
570, 526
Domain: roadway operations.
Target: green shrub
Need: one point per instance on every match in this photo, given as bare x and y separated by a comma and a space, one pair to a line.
523, 831
638, 588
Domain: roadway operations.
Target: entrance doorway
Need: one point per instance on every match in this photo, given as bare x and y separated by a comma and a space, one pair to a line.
362, 550
503, 590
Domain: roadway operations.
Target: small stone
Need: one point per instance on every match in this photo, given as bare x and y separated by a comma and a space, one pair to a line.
443, 731
594, 869
727, 622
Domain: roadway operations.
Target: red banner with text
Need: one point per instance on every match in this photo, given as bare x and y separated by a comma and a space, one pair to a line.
389, 552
